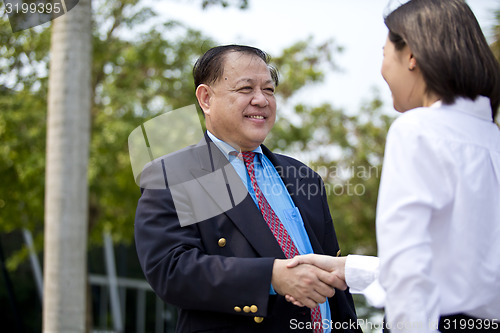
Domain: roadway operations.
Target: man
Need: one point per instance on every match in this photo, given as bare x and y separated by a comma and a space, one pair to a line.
218, 222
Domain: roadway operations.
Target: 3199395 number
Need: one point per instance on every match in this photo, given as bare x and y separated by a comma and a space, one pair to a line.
32, 8
470, 324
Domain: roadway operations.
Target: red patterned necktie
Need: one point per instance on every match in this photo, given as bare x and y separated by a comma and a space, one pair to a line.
277, 228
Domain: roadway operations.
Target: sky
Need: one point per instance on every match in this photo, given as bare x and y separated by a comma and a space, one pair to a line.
272, 25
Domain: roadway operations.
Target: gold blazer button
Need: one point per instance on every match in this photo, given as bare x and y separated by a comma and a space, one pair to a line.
246, 309
237, 309
222, 242
258, 320
254, 308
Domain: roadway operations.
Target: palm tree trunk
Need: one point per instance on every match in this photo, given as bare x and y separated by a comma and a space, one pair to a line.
66, 191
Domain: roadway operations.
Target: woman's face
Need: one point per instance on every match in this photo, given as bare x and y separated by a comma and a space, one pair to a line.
405, 80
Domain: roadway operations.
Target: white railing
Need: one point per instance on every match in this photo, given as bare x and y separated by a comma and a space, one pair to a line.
117, 306
112, 294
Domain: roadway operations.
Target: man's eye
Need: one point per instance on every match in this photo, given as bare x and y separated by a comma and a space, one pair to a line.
245, 89
269, 90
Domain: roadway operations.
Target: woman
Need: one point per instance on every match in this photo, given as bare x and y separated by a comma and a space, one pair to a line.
438, 211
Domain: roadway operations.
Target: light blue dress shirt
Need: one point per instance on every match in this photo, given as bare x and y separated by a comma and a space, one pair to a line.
273, 188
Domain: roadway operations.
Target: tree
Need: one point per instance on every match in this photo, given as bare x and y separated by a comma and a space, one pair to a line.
68, 136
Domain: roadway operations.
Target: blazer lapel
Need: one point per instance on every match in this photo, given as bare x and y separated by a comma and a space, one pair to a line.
222, 183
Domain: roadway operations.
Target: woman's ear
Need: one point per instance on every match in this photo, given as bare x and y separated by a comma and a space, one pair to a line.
204, 94
413, 63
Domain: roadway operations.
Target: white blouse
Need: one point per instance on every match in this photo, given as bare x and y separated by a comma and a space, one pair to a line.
438, 219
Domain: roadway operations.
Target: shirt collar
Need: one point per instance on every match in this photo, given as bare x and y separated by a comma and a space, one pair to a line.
480, 107
226, 148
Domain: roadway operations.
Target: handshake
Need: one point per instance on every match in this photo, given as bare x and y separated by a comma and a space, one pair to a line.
308, 280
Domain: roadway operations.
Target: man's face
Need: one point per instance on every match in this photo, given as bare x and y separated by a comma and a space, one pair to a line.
241, 108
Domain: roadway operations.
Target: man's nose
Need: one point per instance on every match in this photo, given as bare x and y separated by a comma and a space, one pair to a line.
259, 99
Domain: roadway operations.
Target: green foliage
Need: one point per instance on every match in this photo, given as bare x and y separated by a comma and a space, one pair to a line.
242, 4
304, 63
22, 128
133, 80
496, 31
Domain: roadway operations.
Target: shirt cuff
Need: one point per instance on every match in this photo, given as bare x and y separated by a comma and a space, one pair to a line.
271, 291
361, 275
360, 271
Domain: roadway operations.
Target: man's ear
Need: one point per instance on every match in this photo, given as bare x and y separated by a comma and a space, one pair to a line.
204, 94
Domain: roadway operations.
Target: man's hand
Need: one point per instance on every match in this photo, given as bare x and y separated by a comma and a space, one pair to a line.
335, 266
307, 284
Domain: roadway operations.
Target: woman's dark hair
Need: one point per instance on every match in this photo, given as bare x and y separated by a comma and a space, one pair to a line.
210, 66
449, 47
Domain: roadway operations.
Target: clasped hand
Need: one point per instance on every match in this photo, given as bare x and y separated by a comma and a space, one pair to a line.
308, 280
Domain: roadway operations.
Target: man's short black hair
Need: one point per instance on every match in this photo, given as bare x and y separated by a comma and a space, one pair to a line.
210, 66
